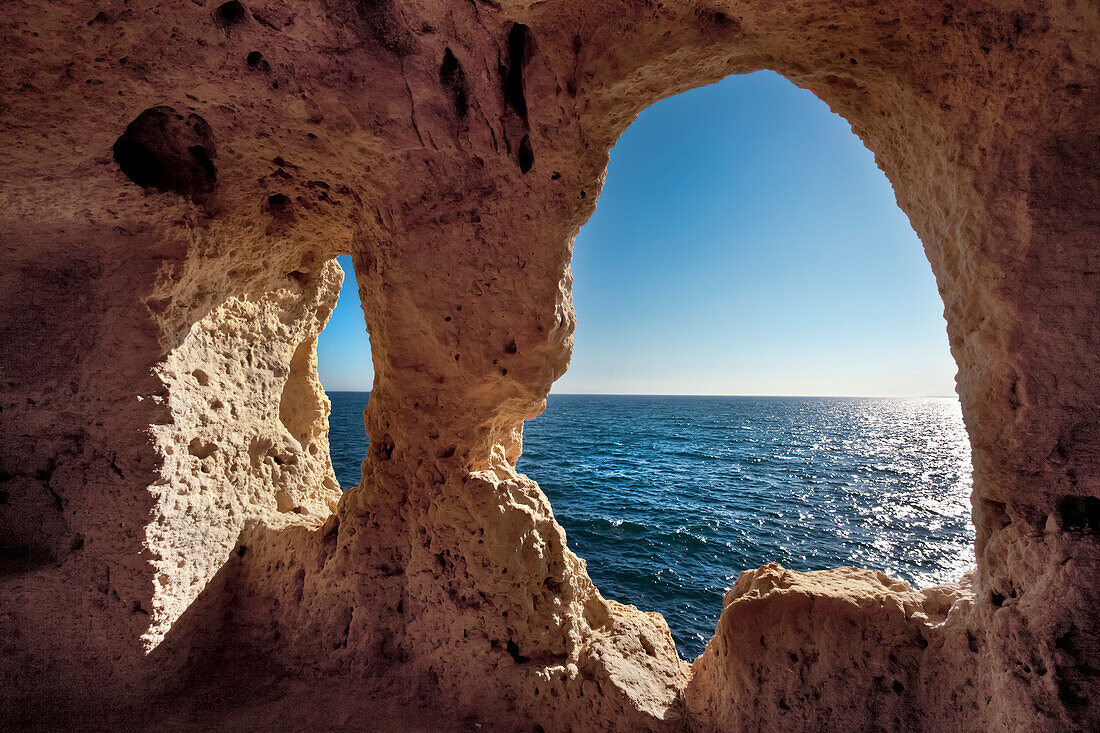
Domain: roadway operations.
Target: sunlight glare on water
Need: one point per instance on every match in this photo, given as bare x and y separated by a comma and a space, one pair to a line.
670, 498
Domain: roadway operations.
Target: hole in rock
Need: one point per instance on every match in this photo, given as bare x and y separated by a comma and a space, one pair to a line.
200, 449
1080, 514
230, 13
256, 60
761, 369
511, 70
164, 150
347, 373
453, 78
526, 155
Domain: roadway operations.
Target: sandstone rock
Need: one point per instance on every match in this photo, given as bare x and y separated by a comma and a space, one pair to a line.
834, 649
175, 547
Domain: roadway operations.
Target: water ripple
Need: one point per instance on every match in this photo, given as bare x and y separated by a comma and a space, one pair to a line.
669, 498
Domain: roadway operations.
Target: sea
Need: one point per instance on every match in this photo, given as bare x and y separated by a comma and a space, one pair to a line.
669, 499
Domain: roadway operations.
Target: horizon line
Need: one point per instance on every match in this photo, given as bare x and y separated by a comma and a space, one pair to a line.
714, 394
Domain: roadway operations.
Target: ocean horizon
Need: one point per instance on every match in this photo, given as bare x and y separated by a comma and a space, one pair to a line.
671, 394
669, 498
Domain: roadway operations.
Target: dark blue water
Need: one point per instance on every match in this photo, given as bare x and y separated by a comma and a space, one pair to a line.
347, 435
669, 498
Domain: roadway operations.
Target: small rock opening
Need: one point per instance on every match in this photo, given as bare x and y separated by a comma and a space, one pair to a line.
1079, 514
453, 79
347, 373
230, 13
170, 151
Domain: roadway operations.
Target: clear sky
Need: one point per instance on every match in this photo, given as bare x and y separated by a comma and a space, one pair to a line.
744, 243
343, 350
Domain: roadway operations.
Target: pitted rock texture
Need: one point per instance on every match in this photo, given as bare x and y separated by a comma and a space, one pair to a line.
179, 178
808, 649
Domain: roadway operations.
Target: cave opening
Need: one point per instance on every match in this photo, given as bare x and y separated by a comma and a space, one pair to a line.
347, 373
761, 369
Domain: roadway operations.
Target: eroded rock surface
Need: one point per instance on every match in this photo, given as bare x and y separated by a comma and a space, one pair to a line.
179, 178
163, 149
836, 650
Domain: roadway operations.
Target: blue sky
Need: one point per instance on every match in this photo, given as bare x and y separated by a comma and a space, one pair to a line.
343, 350
744, 243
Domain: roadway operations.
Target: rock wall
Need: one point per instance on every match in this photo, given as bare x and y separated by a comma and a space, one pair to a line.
178, 180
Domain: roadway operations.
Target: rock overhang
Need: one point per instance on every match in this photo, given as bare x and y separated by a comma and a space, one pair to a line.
454, 151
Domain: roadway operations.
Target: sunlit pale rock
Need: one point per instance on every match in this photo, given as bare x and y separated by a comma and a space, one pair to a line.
178, 179
833, 650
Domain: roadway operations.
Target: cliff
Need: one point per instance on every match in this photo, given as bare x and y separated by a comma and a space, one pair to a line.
178, 179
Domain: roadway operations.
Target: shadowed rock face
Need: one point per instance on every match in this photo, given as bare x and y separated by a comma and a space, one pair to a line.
163, 150
174, 544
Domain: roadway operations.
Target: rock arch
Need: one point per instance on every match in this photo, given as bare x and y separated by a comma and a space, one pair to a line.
455, 150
